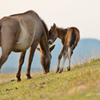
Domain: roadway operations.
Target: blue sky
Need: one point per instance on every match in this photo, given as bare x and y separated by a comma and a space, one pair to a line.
83, 14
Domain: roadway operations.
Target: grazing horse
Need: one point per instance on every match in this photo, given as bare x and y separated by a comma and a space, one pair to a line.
19, 32
69, 38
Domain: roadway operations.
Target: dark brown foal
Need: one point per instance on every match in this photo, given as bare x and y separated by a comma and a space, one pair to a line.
69, 38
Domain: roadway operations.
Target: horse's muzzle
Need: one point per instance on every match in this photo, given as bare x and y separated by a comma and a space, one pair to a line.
50, 41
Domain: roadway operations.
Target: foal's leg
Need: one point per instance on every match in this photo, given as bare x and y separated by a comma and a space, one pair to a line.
64, 58
69, 58
21, 61
32, 50
59, 59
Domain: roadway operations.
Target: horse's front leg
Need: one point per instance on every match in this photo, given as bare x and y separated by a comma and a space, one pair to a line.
31, 54
59, 59
21, 61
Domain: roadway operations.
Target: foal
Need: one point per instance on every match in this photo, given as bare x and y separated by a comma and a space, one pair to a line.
69, 38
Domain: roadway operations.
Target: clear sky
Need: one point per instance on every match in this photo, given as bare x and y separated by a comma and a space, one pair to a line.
83, 14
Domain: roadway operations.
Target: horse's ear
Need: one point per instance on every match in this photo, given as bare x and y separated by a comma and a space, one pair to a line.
51, 48
38, 49
54, 25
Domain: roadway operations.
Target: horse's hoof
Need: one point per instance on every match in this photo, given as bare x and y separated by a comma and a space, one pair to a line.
68, 68
18, 79
29, 77
44, 72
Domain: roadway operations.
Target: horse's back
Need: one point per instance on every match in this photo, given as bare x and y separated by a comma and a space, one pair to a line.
30, 24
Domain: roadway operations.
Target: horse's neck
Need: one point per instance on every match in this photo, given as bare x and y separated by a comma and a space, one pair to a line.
61, 34
44, 44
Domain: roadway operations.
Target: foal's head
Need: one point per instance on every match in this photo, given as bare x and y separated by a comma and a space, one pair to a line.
52, 34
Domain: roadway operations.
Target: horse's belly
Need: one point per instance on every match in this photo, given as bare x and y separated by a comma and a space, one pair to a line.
23, 46
25, 40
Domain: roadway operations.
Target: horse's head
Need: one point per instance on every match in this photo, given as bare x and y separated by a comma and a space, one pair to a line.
52, 34
46, 59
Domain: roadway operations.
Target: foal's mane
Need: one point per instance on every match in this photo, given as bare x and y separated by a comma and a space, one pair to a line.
64, 30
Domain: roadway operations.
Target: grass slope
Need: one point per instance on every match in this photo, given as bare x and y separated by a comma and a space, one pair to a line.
81, 83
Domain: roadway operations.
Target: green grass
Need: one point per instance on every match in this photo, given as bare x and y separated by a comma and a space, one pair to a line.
81, 83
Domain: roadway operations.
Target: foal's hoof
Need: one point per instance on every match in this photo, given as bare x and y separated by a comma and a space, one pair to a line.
68, 68
57, 70
60, 70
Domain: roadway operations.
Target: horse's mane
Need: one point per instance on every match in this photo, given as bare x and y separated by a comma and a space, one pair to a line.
45, 27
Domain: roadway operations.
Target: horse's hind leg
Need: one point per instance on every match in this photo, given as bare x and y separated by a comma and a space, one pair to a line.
31, 54
21, 61
3, 58
7, 43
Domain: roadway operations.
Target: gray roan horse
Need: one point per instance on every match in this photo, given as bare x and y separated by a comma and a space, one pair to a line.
70, 38
19, 32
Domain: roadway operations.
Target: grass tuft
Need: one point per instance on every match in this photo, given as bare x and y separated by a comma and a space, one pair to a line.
81, 83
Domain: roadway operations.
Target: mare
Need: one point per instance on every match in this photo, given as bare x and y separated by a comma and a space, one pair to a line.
69, 38
19, 32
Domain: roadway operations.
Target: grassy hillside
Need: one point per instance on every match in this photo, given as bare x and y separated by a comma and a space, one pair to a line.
81, 83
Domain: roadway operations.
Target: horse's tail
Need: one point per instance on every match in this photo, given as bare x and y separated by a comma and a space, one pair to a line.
73, 37
46, 28
0, 32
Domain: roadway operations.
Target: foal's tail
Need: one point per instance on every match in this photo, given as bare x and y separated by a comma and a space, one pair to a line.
73, 37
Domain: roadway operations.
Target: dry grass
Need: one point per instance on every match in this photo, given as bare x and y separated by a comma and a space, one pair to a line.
4, 78
85, 58
81, 83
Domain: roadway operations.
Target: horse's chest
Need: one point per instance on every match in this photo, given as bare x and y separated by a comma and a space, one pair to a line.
24, 41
